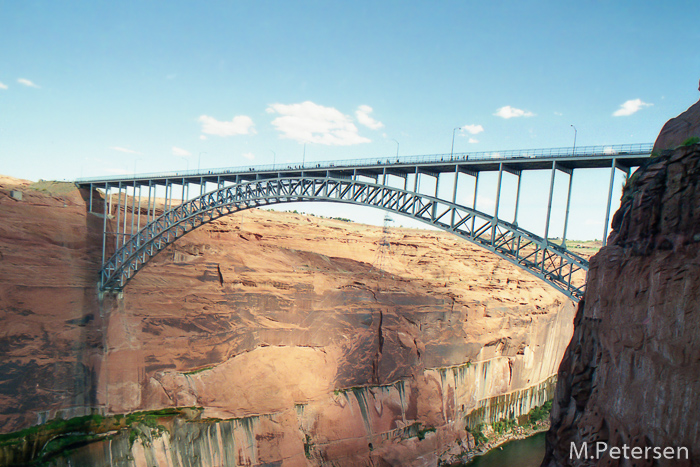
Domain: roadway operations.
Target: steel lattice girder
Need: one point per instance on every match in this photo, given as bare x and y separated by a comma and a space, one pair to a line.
549, 262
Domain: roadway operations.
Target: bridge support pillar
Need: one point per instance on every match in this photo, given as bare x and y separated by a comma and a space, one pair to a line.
607, 206
107, 201
568, 204
494, 222
517, 201
476, 189
549, 203
415, 190
454, 194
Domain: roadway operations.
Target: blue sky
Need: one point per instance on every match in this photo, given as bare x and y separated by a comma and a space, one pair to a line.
91, 88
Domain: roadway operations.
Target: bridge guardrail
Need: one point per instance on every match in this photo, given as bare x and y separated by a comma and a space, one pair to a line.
604, 150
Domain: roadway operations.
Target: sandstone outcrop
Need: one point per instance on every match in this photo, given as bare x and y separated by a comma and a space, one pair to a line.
677, 130
282, 328
630, 376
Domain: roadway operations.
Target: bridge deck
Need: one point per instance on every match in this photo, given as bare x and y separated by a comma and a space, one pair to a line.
588, 157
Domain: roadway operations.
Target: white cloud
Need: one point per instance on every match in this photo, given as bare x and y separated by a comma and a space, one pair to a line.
511, 112
249, 155
362, 114
630, 107
473, 129
473, 140
307, 122
558, 114
202, 137
26, 82
180, 152
240, 125
128, 151
3, 86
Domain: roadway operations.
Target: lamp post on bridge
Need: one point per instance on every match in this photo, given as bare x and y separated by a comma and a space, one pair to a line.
575, 133
397, 148
274, 156
199, 160
452, 151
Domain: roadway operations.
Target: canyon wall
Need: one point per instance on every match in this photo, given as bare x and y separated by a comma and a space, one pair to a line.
630, 376
298, 341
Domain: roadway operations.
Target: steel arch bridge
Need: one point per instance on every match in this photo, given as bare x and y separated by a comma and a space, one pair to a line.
357, 183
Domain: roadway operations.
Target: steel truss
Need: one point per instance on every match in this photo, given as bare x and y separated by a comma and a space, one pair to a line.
550, 262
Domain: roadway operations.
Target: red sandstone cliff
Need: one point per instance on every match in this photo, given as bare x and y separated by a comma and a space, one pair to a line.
631, 375
298, 350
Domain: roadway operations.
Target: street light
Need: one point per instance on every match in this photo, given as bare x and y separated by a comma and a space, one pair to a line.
575, 133
274, 156
397, 147
303, 159
453, 141
199, 160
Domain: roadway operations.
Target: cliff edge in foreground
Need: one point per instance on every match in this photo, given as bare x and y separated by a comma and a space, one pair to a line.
631, 375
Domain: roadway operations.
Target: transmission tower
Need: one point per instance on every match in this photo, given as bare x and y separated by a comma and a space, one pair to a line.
384, 247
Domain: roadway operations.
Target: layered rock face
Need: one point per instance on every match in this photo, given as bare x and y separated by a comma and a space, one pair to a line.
303, 342
630, 376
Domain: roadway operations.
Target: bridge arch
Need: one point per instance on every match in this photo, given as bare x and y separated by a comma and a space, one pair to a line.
551, 263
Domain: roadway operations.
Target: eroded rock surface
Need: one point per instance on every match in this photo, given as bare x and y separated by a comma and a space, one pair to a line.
281, 324
677, 130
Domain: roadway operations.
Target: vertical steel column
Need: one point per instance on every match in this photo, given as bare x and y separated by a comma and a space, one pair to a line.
415, 190
568, 203
607, 209
454, 195
133, 204
126, 206
109, 211
119, 208
183, 191
168, 195
549, 204
437, 185
476, 188
517, 200
494, 221
90, 209
405, 181
148, 205
104, 226
498, 189
138, 219
201, 186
